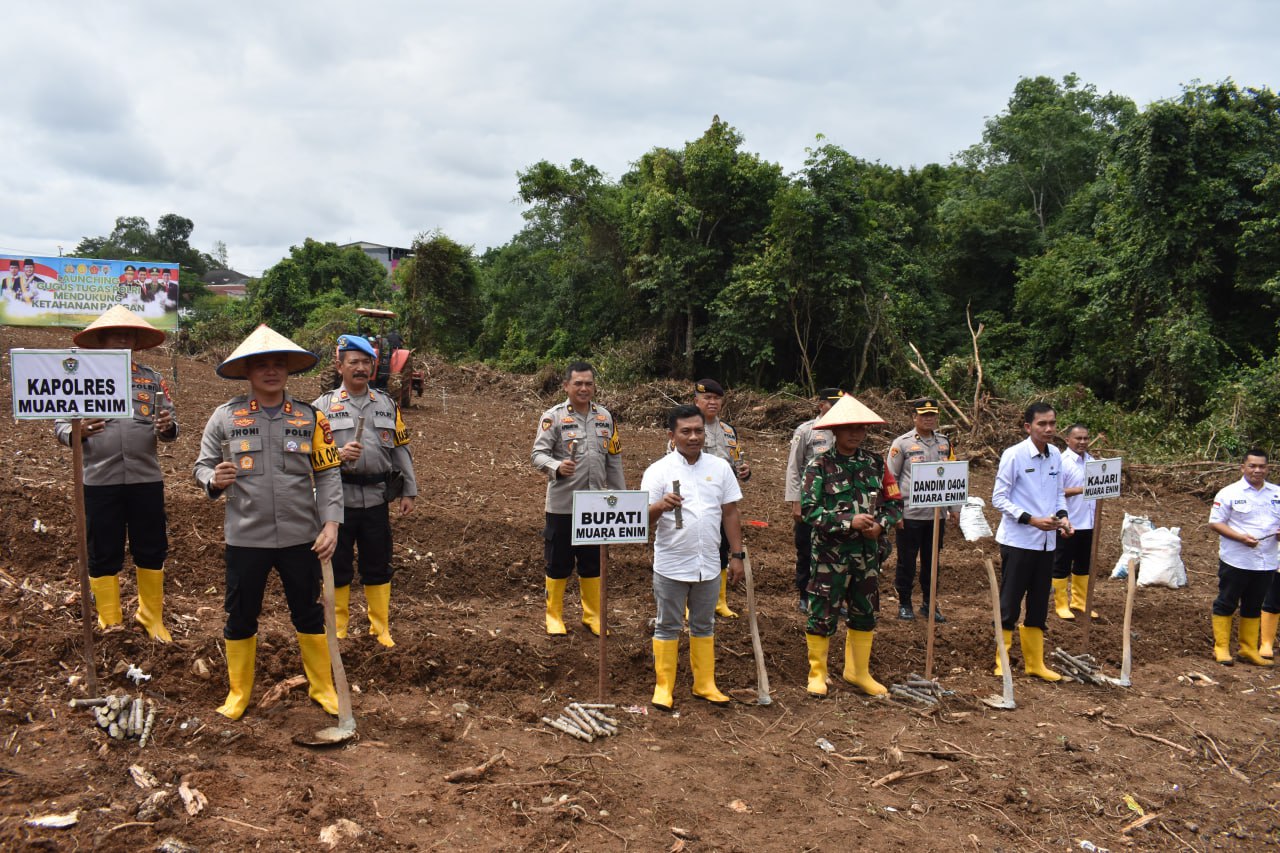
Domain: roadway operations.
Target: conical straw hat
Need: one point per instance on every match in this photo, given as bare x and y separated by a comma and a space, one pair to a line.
847, 412
265, 340
119, 317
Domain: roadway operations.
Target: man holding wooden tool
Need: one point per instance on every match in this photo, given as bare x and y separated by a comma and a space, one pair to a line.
274, 460
1246, 517
922, 443
850, 499
377, 469
806, 443
1033, 514
721, 441
123, 485
693, 496
577, 447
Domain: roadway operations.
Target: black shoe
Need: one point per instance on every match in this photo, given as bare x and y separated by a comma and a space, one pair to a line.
938, 618
905, 613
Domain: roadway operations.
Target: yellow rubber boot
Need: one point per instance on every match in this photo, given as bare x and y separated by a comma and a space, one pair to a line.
151, 604
1266, 648
106, 599
1249, 642
857, 663
818, 648
1033, 654
319, 669
722, 605
1008, 646
240, 659
1062, 599
378, 598
341, 609
666, 654
589, 588
1079, 592
1222, 640
555, 605
702, 660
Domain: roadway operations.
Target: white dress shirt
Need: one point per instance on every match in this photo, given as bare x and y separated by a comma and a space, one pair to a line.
1255, 512
707, 485
1030, 482
1079, 510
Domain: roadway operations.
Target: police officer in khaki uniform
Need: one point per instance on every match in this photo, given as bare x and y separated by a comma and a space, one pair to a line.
722, 441
922, 443
369, 464
806, 443
284, 505
577, 447
123, 485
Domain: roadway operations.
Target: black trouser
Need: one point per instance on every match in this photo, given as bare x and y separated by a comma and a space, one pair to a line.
1241, 588
724, 548
369, 530
135, 510
1271, 604
1071, 557
916, 537
247, 573
1024, 574
804, 556
560, 553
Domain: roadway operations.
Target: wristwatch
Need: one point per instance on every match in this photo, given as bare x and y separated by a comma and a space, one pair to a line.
738, 555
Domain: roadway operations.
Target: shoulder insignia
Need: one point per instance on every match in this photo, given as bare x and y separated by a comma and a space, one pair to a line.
373, 397
253, 405
545, 425
288, 408
164, 387
894, 451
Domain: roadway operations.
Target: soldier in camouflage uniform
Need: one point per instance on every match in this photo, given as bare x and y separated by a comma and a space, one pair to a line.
850, 499
806, 443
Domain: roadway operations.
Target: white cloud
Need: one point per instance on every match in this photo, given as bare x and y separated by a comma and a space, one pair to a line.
266, 123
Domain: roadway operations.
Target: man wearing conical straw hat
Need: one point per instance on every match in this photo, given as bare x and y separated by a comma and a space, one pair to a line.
265, 452
849, 499
123, 485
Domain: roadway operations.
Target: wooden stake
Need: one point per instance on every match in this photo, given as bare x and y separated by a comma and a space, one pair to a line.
603, 604
1087, 616
933, 592
82, 554
1126, 661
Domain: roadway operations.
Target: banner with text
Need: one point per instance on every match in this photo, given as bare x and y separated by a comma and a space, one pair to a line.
939, 484
42, 291
610, 518
67, 383
1102, 479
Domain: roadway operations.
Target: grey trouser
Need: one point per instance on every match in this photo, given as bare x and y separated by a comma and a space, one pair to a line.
673, 596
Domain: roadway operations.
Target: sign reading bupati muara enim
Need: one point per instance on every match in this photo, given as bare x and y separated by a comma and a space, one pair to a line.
70, 383
610, 517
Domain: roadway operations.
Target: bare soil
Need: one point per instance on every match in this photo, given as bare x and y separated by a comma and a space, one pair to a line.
473, 672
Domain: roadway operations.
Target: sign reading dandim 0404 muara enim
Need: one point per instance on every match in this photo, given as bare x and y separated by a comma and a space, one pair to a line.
1102, 478
938, 483
610, 517
70, 383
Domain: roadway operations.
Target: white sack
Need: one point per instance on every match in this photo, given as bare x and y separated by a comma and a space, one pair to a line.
1162, 558
1131, 542
973, 524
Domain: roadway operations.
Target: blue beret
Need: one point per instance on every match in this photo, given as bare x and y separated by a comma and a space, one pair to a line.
355, 343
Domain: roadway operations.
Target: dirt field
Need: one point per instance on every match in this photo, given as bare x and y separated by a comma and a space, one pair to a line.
473, 671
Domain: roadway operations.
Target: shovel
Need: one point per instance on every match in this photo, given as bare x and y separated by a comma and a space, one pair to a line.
1006, 701
762, 677
345, 730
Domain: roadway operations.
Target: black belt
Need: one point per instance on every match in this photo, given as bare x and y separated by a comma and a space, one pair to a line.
365, 479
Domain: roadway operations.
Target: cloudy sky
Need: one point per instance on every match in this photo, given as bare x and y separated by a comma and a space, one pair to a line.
268, 122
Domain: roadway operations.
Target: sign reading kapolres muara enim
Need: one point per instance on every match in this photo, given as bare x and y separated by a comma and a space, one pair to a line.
70, 383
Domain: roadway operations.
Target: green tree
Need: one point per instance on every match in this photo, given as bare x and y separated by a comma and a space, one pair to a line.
438, 300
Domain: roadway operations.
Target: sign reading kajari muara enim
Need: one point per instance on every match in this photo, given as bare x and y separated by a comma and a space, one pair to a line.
938, 484
71, 383
44, 291
1102, 478
602, 517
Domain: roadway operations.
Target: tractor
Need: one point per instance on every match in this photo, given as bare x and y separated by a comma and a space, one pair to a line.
394, 372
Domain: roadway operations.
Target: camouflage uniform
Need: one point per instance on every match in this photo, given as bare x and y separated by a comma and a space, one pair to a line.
845, 564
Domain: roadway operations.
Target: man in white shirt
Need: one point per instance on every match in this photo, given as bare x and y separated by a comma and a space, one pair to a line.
1071, 558
1246, 517
686, 552
1033, 512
